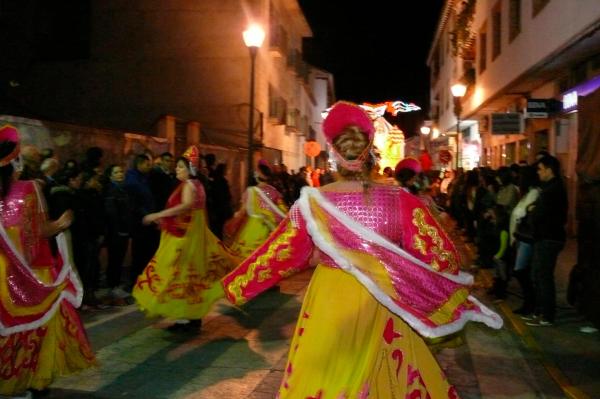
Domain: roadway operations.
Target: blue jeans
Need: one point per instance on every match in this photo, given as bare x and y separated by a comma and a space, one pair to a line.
523, 256
545, 254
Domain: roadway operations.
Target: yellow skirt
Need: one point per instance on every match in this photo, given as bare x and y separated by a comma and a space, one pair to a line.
348, 345
33, 359
182, 280
250, 236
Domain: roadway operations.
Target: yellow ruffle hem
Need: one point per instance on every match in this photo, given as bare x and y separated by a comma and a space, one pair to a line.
348, 345
182, 280
34, 358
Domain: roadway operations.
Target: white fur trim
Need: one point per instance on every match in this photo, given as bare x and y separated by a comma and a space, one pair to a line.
250, 206
486, 316
66, 271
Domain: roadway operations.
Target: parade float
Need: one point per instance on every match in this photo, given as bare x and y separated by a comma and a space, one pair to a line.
389, 139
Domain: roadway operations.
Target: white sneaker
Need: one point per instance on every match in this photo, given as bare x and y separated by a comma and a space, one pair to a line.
119, 292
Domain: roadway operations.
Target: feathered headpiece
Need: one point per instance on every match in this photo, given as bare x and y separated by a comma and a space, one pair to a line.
192, 154
11, 134
344, 114
409, 163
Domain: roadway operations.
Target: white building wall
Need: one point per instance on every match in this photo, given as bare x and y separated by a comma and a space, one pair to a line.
553, 28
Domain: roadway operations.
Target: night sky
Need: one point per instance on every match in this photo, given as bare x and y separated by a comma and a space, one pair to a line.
377, 52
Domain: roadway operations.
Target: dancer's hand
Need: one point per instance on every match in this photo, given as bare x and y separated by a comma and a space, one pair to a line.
150, 218
65, 220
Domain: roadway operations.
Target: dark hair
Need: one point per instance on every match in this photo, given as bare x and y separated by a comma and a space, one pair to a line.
404, 175
6, 171
109, 170
220, 170
528, 178
551, 162
186, 162
68, 174
6, 176
542, 154
265, 170
165, 155
505, 176
210, 159
139, 159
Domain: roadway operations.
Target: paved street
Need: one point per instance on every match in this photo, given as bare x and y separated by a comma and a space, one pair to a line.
240, 353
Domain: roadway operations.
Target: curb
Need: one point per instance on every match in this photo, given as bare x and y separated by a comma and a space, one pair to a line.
528, 339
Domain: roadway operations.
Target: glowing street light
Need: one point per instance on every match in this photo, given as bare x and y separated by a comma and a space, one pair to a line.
253, 38
425, 130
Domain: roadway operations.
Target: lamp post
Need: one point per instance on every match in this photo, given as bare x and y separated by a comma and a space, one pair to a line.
253, 38
458, 91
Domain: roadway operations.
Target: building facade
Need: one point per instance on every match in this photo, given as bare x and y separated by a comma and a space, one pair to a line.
510, 53
180, 69
532, 67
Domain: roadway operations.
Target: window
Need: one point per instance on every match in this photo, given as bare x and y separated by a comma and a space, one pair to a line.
482, 49
277, 107
514, 27
496, 31
537, 6
435, 64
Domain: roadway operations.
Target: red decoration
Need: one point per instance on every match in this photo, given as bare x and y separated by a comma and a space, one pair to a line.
445, 156
312, 148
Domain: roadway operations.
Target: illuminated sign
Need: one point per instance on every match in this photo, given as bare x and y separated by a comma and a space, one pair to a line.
570, 100
581, 90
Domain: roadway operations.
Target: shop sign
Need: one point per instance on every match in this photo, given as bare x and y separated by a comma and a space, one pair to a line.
570, 100
541, 108
506, 123
581, 90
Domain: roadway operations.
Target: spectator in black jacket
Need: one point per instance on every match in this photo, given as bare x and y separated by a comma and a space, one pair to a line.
144, 239
222, 209
67, 195
119, 211
162, 179
549, 216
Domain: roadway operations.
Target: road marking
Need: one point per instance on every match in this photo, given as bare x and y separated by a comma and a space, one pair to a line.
555, 373
123, 310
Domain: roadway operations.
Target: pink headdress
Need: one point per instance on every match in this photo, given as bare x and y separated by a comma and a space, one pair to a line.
9, 133
409, 163
344, 114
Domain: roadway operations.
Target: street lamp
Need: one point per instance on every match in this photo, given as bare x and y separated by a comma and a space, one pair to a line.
253, 38
458, 91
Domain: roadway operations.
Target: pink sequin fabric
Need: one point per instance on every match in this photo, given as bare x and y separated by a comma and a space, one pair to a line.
270, 192
374, 211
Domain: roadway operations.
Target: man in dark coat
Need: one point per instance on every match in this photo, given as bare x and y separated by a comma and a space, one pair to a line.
549, 216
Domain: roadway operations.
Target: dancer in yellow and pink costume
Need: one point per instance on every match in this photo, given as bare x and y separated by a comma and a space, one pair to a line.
41, 335
387, 275
263, 208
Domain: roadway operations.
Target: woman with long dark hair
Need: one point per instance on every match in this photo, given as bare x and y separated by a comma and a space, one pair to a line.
182, 279
386, 273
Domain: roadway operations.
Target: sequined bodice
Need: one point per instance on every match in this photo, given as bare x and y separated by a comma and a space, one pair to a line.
12, 207
270, 192
376, 210
199, 200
